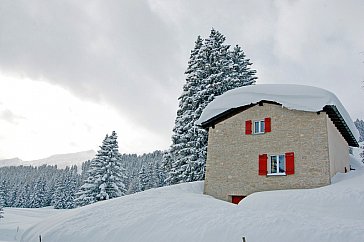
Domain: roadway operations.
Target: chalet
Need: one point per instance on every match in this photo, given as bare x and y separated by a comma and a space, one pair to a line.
270, 137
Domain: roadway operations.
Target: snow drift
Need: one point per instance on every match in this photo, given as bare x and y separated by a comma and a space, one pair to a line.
183, 213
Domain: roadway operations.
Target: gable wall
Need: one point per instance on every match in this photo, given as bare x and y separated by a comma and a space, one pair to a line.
338, 150
232, 157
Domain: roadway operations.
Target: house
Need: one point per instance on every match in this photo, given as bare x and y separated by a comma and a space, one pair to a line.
271, 136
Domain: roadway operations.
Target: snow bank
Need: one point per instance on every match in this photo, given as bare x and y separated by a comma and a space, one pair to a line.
297, 97
182, 213
17, 220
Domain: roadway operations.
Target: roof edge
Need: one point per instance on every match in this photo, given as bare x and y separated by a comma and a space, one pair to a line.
341, 125
231, 112
331, 111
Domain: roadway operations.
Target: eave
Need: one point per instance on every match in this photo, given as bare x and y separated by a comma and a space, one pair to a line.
341, 125
331, 111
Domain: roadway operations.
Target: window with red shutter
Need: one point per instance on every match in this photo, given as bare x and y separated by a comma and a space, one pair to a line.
263, 164
267, 122
248, 127
260, 126
289, 163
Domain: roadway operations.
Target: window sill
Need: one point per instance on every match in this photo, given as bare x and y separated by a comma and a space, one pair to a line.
276, 174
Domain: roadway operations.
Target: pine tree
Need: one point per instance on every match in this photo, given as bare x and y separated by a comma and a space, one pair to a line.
72, 183
85, 167
87, 192
28, 186
240, 71
143, 179
105, 176
360, 126
58, 194
66, 189
111, 173
133, 186
38, 195
183, 149
2, 199
1, 207
160, 175
22, 200
212, 70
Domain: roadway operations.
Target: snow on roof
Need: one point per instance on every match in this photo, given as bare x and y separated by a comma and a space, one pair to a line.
291, 96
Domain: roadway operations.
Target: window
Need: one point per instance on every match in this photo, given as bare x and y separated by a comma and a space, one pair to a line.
259, 127
277, 165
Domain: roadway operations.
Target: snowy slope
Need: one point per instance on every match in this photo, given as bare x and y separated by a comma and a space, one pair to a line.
17, 220
61, 160
291, 96
182, 213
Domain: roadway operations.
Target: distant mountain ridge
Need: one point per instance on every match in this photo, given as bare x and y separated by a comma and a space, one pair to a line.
11, 162
61, 160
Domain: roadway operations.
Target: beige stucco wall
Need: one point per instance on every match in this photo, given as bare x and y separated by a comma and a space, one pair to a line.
338, 150
232, 157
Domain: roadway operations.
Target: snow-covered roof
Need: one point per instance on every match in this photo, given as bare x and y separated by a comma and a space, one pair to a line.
297, 97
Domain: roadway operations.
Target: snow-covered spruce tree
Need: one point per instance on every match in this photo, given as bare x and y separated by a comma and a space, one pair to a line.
84, 168
58, 195
159, 175
240, 73
72, 184
111, 173
105, 175
37, 197
66, 188
183, 152
23, 198
133, 185
360, 126
2, 199
1, 207
212, 70
143, 179
87, 192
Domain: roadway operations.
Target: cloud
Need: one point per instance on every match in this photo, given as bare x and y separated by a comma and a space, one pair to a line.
318, 43
10, 117
120, 52
132, 54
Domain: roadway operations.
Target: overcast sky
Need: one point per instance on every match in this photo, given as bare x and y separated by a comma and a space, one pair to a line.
72, 71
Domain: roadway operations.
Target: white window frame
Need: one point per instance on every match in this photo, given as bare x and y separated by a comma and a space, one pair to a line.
278, 164
259, 122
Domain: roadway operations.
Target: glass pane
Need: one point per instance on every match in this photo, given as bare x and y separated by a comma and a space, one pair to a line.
273, 164
256, 127
262, 126
282, 164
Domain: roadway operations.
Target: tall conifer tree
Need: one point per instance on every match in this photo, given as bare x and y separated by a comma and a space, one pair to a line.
2, 199
105, 175
360, 126
212, 70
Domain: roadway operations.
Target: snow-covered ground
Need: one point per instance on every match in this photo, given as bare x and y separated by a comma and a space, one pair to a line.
17, 220
183, 213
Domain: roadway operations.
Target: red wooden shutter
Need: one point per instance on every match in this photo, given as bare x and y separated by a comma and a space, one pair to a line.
248, 127
289, 163
267, 125
263, 164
